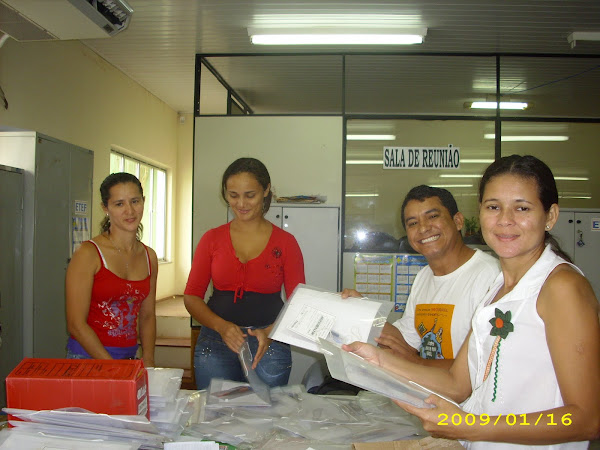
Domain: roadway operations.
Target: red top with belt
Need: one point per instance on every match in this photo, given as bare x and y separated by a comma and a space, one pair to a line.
280, 263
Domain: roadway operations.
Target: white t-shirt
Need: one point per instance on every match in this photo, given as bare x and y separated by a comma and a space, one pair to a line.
439, 309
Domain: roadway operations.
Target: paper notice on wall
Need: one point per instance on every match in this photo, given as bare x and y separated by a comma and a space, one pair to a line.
80, 232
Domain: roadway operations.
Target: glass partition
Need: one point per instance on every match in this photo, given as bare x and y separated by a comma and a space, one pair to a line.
573, 158
294, 84
553, 86
417, 84
213, 95
374, 194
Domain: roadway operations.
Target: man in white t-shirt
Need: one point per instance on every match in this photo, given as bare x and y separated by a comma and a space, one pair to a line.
446, 292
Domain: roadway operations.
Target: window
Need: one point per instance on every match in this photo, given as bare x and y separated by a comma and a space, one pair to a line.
154, 183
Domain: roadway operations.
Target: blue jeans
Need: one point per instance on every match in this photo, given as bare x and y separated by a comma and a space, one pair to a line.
213, 359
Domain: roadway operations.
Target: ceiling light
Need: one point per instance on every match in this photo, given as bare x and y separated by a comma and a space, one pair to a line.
364, 161
476, 161
335, 36
583, 196
527, 138
572, 178
371, 137
582, 36
362, 195
494, 105
451, 185
449, 175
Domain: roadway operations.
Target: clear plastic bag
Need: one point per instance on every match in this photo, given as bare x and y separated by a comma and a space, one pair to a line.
163, 385
259, 387
348, 367
232, 393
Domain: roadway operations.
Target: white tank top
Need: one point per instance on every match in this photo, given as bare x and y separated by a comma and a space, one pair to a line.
521, 376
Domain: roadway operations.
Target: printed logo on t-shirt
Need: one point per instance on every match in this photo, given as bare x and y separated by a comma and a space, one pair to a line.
433, 322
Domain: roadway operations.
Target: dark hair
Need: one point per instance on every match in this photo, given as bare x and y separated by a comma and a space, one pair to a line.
110, 181
423, 192
254, 167
532, 168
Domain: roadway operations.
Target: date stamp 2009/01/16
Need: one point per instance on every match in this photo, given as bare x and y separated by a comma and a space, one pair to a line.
511, 419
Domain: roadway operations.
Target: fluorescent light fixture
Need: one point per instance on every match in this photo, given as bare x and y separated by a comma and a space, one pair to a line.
582, 36
459, 175
451, 185
493, 105
371, 137
449, 175
476, 161
336, 36
585, 197
365, 161
527, 138
362, 195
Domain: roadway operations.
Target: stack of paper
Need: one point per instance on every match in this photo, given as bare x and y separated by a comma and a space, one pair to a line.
77, 423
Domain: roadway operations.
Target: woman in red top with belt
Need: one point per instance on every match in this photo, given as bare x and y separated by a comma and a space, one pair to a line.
111, 281
248, 260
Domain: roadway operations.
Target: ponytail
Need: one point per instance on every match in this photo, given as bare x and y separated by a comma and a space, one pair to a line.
549, 239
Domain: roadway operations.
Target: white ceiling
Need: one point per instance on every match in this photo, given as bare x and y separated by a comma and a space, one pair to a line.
159, 47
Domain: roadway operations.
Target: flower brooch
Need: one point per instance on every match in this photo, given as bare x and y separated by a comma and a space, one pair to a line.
501, 327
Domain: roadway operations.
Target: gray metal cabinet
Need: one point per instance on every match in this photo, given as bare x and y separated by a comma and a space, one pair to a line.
578, 233
11, 273
58, 181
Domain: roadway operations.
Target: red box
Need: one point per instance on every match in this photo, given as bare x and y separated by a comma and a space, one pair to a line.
107, 386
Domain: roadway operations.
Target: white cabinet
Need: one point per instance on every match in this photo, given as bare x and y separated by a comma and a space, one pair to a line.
57, 196
578, 234
317, 231
316, 228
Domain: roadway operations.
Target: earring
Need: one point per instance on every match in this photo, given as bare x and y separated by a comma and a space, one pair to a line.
547, 227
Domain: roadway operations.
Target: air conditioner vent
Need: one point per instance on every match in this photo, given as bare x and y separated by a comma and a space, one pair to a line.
63, 19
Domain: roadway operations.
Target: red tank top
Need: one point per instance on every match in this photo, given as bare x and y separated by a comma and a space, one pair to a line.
115, 305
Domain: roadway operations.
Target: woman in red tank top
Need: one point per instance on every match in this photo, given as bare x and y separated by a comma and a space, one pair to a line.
111, 281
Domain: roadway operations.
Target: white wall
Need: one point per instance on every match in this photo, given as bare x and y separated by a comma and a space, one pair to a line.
303, 156
64, 90
183, 208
